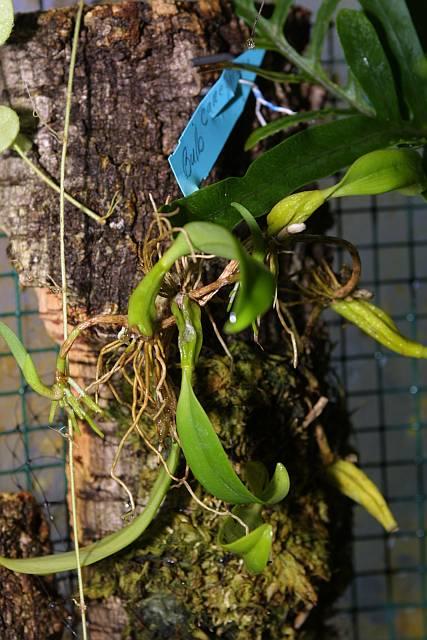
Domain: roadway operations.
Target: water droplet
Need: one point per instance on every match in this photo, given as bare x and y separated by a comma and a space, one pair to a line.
413, 390
233, 318
250, 43
410, 317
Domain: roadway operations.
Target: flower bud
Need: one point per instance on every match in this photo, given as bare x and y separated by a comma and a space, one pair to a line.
372, 174
382, 171
355, 484
294, 209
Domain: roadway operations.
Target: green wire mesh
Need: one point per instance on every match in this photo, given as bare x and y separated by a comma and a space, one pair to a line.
32, 454
387, 599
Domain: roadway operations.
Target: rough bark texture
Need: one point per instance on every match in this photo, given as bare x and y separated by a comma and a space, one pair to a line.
28, 607
135, 89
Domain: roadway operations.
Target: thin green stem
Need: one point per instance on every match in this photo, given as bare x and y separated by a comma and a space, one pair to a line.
69, 94
52, 184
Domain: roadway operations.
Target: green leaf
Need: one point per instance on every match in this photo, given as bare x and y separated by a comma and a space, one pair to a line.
355, 484
109, 545
366, 58
320, 29
257, 286
353, 89
286, 122
402, 38
25, 363
9, 127
378, 325
270, 37
280, 13
202, 448
254, 547
309, 155
258, 244
6, 20
246, 9
278, 486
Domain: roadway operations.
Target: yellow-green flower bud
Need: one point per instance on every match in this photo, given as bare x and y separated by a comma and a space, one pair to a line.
378, 325
382, 171
356, 485
295, 209
372, 174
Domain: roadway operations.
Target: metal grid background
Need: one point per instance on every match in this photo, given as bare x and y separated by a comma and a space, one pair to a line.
386, 393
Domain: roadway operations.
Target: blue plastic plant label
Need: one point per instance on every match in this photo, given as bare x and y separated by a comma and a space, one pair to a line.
208, 130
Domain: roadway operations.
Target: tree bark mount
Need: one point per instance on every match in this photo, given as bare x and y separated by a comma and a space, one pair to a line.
28, 607
135, 89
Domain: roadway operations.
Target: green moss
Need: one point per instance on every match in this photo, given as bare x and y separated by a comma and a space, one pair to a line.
177, 582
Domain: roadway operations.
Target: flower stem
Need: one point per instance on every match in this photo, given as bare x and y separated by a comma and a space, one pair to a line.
62, 198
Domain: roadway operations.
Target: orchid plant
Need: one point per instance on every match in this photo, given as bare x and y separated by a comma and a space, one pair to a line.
377, 135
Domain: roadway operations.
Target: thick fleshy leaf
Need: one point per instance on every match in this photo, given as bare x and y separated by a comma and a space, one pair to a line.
202, 448
368, 62
6, 20
9, 127
355, 484
307, 156
109, 545
257, 286
25, 363
258, 244
270, 490
378, 325
400, 34
254, 547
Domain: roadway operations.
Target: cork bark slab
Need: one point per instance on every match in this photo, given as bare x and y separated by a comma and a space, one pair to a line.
28, 607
